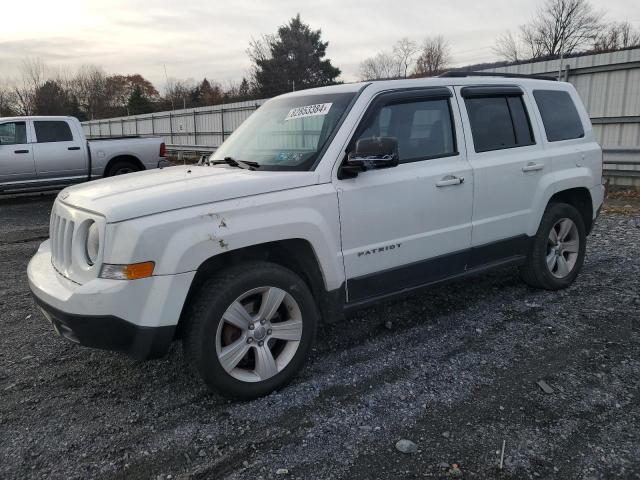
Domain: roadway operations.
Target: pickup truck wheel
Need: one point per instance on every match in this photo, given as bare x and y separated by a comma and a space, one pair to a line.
121, 167
557, 251
249, 329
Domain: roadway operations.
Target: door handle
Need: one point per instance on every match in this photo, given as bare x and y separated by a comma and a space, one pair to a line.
449, 180
532, 167
73, 148
21, 151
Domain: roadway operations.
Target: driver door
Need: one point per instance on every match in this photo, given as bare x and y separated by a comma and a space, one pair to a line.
409, 225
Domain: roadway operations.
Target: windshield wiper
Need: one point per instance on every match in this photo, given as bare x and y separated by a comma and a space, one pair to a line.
247, 165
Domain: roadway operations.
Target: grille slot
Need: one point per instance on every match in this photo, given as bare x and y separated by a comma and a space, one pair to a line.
61, 232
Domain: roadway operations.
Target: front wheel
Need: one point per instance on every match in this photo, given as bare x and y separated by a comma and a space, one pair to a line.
250, 329
557, 251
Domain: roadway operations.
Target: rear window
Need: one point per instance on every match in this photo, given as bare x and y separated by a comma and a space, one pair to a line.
52, 131
498, 122
559, 115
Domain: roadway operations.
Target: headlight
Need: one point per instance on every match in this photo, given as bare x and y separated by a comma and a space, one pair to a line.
93, 243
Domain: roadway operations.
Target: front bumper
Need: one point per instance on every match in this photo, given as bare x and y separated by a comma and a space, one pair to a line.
109, 333
137, 317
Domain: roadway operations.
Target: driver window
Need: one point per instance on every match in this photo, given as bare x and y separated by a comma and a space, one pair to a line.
423, 129
13, 133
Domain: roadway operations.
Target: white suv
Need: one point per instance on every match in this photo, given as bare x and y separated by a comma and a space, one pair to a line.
323, 201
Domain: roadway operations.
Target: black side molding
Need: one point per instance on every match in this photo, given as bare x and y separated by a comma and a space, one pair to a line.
433, 270
491, 91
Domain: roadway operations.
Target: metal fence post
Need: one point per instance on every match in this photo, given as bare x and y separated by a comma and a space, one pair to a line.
136, 122
222, 122
195, 129
170, 129
153, 126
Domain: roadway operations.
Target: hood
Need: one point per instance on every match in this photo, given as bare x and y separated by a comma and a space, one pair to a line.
159, 190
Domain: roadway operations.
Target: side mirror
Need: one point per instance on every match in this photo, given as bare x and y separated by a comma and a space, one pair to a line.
371, 154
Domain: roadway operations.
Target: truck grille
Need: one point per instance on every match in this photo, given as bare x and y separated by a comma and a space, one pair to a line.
61, 235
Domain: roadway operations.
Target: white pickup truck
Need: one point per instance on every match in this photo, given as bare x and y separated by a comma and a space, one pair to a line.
37, 153
323, 201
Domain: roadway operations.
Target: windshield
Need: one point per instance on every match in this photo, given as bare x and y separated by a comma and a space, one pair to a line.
286, 133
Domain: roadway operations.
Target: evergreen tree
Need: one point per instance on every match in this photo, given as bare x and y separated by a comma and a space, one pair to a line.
244, 91
51, 99
291, 59
138, 103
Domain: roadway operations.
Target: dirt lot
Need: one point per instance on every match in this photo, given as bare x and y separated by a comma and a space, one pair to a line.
454, 370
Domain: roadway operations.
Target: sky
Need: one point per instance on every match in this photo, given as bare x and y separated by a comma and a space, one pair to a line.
209, 38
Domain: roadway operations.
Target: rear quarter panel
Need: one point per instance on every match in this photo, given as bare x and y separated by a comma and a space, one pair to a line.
576, 162
147, 150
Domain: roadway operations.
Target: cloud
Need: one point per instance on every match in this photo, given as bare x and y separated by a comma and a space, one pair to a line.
199, 38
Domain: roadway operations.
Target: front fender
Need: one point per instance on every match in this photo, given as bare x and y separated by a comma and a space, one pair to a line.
181, 240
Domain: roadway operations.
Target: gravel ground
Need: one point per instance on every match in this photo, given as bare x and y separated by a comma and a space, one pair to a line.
454, 370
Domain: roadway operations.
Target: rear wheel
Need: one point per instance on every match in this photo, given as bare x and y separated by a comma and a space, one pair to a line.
250, 329
122, 167
557, 251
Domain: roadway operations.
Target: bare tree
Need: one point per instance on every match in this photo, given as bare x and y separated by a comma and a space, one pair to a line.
508, 47
7, 100
434, 57
617, 35
404, 50
90, 88
32, 77
531, 46
383, 66
178, 92
561, 26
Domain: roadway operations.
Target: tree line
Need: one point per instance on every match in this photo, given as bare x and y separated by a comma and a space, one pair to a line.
294, 58
90, 93
291, 59
558, 27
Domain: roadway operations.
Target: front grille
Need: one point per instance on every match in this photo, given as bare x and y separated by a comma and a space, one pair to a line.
61, 235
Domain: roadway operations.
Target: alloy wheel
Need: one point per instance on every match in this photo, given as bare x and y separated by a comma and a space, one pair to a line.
563, 247
259, 334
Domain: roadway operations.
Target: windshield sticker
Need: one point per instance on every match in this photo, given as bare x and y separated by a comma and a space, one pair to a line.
308, 111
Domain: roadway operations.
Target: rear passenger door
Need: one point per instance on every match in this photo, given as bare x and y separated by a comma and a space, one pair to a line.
58, 153
509, 166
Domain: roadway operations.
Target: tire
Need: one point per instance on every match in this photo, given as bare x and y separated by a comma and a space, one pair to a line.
122, 167
554, 266
238, 361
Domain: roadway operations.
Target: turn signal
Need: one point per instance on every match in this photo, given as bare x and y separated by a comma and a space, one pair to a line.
133, 271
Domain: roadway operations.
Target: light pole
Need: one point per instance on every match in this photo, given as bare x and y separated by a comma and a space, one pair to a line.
561, 57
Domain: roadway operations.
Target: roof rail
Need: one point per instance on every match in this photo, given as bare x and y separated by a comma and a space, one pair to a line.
459, 74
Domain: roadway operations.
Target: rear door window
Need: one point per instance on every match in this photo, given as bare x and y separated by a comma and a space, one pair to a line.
48, 131
559, 115
499, 122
